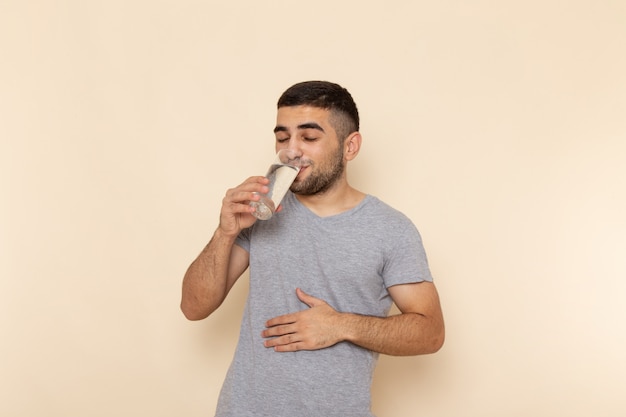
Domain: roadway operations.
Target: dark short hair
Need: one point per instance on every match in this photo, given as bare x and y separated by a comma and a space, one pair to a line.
325, 95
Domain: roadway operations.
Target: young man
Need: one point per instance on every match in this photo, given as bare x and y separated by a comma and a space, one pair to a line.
324, 271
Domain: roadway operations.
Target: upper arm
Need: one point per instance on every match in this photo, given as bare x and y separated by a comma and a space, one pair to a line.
419, 297
238, 263
421, 301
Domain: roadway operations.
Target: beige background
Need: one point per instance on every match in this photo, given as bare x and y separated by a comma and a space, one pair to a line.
497, 126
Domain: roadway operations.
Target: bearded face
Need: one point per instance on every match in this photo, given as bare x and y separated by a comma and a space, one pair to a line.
322, 176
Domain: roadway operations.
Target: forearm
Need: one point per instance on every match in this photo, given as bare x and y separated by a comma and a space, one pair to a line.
399, 335
206, 284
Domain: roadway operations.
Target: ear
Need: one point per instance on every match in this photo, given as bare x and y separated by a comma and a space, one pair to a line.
352, 145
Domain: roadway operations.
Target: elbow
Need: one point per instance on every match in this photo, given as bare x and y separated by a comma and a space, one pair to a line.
428, 347
437, 340
193, 314
195, 309
431, 341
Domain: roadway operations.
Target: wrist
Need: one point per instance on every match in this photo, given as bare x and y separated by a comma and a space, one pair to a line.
347, 326
223, 234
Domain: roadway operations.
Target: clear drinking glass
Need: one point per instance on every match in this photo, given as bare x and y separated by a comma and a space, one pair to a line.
282, 173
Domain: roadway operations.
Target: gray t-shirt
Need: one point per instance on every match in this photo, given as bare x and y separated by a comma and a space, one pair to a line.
348, 260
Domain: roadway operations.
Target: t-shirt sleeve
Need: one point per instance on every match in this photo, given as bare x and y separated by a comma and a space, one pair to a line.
405, 260
243, 239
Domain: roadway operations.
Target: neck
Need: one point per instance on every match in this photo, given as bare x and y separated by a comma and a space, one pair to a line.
337, 199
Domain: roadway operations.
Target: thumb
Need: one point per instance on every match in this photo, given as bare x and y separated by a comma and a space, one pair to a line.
308, 299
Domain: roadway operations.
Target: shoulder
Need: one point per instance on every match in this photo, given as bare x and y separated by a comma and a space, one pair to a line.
382, 211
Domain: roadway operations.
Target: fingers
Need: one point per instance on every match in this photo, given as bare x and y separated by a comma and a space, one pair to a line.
308, 299
287, 343
279, 335
286, 338
281, 321
235, 214
281, 331
245, 192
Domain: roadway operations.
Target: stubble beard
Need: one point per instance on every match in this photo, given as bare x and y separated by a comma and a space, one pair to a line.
320, 182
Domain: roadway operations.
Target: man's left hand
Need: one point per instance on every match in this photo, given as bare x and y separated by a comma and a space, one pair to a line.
311, 329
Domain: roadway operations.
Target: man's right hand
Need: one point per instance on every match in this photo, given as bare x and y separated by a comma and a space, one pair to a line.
236, 213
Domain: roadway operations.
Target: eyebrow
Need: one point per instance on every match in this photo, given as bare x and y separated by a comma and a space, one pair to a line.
303, 126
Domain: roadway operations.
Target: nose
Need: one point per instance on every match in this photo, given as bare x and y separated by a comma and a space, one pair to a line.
294, 146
